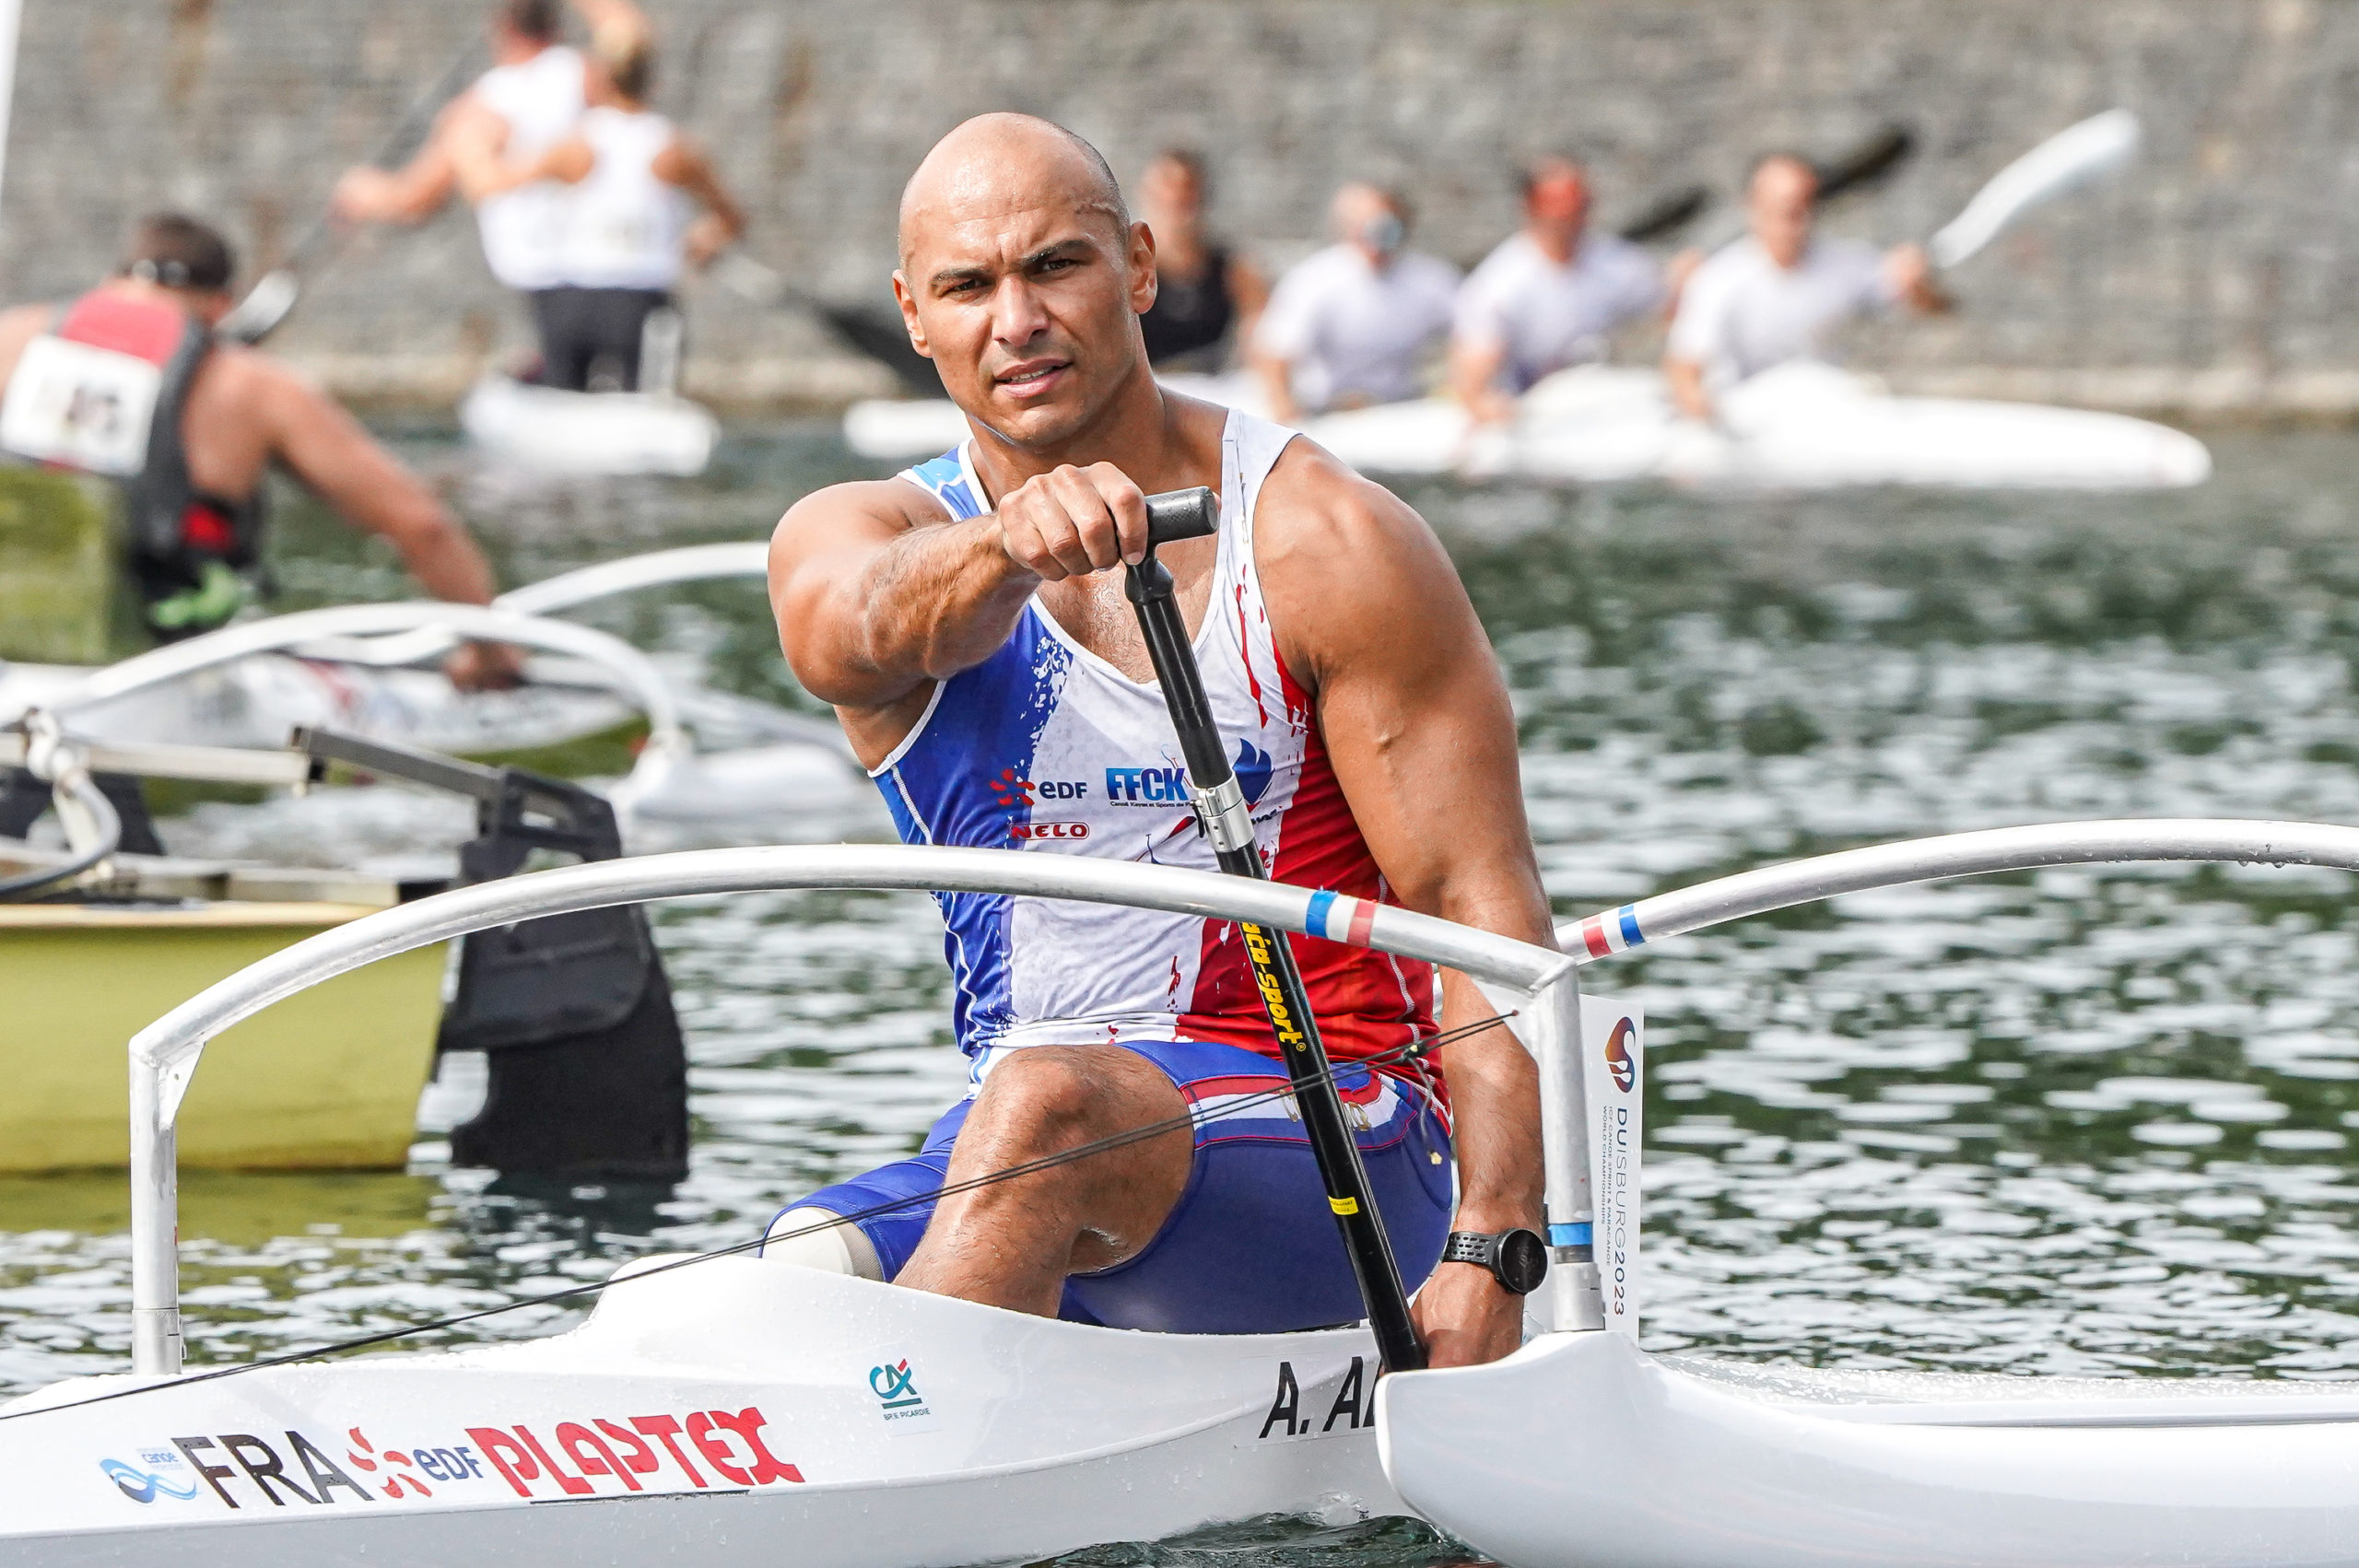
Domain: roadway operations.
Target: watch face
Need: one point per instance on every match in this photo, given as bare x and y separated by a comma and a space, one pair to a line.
1523, 1261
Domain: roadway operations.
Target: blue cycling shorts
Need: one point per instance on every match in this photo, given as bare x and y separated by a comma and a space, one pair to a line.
1252, 1247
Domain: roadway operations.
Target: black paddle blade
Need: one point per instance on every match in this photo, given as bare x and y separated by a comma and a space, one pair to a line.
883, 338
1672, 212
1866, 163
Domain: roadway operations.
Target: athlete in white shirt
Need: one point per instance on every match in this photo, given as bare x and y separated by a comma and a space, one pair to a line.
530, 100
629, 184
1778, 294
1547, 296
1348, 326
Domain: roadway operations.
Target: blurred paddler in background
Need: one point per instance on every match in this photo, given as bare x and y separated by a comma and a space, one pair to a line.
630, 183
1778, 294
1548, 297
532, 99
1208, 296
1351, 324
127, 389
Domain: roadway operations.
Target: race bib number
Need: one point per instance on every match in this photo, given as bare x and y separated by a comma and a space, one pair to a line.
87, 408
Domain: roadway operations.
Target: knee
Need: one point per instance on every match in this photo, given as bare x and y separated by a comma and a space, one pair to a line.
1042, 1098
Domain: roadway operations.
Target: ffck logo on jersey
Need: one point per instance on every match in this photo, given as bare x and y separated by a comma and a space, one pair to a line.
1167, 785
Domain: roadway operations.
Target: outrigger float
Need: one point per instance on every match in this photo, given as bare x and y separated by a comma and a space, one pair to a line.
736, 1408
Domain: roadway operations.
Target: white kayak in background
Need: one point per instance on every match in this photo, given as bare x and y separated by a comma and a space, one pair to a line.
1804, 426
589, 433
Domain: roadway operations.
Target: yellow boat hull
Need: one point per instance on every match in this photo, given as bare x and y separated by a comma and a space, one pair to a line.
328, 1078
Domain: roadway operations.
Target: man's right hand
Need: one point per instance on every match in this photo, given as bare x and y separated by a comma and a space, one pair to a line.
1071, 522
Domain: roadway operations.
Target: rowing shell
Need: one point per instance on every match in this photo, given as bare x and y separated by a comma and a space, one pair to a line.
739, 1411
587, 433
1803, 425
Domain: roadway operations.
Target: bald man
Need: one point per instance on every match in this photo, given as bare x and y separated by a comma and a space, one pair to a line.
1779, 294
1547, 296
967, 619
1350, 324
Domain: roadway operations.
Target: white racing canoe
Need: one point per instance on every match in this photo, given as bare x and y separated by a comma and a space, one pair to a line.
735, 1409
1801, 426
551, 431
738, 1412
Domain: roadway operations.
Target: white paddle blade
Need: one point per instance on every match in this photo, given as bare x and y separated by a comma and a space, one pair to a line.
265, 305
2094, 148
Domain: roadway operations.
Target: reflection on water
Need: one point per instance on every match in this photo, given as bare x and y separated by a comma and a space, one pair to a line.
2087, 1120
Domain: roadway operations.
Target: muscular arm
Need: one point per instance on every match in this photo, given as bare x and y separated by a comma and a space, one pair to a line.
329, 452
1416, 722
877, 592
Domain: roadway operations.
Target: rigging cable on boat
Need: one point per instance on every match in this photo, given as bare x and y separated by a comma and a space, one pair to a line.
1414, 1051
76, 790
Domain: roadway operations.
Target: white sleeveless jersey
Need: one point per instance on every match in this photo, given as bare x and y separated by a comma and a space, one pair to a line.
522, 229
623, 226
1047, 748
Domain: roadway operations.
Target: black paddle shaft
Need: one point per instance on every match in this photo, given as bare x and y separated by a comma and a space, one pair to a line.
1226, 819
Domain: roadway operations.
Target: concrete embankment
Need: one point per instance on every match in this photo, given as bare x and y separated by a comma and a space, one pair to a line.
2217, 278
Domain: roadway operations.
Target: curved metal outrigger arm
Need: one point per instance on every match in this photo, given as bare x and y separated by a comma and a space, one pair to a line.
635, 675
1957, 854
567, 590
165, 1054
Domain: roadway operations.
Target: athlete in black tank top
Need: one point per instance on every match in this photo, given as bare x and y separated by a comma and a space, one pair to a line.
1197, 308
1189, 313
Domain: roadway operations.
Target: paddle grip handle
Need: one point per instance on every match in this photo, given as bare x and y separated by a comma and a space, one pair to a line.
1174, 515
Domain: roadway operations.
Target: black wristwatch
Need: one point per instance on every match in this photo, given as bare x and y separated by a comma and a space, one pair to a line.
1518, 1259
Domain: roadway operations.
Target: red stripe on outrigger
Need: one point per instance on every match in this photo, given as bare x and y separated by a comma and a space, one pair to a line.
1593, 938
1362, 917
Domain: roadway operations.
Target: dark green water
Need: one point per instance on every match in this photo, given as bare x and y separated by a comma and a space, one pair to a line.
2084, 1121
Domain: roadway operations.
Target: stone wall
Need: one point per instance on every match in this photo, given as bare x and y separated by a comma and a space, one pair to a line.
2219, 276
